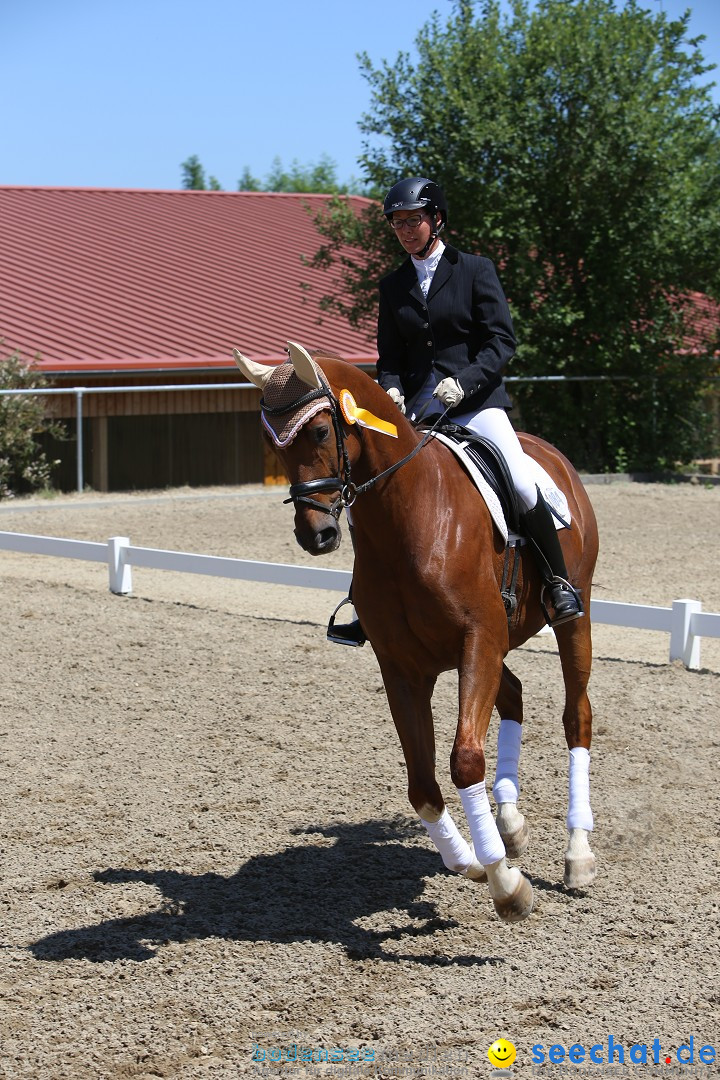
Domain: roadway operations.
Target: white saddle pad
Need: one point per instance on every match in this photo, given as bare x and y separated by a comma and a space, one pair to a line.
549, 490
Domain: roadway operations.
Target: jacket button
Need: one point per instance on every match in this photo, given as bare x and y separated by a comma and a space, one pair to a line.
425, 325
429, 342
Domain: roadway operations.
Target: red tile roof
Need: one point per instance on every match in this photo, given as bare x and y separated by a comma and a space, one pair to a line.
703, 323
128, 280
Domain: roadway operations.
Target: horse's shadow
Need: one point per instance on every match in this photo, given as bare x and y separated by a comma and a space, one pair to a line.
307, 892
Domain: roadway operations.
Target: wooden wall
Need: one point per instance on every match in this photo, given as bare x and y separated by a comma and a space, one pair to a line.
157, 439
139, 452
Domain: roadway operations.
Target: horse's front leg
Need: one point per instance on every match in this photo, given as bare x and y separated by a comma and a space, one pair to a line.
410, 705
575, 648
480, 674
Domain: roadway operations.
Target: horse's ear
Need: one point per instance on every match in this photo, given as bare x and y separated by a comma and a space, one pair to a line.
304, 367
256, 373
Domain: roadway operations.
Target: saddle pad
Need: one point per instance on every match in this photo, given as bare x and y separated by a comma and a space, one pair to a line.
549, 490
493, 503
552, 494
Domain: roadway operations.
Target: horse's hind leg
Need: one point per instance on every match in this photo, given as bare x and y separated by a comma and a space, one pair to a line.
575, 647
506, 789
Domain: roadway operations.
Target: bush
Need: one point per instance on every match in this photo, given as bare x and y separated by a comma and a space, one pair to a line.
23, 465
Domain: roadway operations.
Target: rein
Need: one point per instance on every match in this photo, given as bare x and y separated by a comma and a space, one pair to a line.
342, 482
398, 464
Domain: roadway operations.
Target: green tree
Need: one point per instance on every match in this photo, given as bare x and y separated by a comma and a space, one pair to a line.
318, 179
23, 464
193, 175
580, 150
248, 182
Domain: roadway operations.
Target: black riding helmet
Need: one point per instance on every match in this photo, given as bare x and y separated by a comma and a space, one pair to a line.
416, 193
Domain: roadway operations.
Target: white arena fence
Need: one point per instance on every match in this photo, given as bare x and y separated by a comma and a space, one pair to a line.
685, 621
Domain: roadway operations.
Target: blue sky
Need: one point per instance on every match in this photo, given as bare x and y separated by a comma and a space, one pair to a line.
118, 94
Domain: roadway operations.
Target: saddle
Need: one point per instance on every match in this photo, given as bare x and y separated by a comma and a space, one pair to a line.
489, 471
492, 466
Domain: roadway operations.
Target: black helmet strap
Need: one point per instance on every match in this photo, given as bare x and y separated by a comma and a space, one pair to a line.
437, 229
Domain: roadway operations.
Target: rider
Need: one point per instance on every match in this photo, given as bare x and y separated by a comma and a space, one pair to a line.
444, 338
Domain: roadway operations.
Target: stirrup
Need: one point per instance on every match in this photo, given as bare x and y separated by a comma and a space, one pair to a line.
348, 633
567, 608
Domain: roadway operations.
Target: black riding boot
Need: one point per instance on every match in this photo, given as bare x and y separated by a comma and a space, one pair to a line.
348, 633
539, 527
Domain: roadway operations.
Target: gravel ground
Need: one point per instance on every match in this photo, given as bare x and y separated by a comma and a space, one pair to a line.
206, 845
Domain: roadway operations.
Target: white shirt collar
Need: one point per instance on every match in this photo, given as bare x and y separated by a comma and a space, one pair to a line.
431, 261
425, 268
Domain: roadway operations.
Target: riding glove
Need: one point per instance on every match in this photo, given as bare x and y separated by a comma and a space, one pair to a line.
449, 392
395, 395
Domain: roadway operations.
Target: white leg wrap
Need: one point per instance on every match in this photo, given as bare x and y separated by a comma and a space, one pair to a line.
506, 788
579, 814
483, 830
455, 850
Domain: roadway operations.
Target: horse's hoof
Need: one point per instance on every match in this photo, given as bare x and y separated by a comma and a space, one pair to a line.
580, 871
513, 829
516, 842
518, 905
476, 872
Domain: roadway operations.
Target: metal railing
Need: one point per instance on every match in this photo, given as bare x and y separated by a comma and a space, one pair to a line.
80, 391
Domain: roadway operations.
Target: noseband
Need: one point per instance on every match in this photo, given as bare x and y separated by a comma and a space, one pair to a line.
342, 482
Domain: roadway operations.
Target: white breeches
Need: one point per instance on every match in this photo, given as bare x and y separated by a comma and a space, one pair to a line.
493, 425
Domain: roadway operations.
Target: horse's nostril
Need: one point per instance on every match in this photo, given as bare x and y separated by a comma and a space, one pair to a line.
327, 536
318, 542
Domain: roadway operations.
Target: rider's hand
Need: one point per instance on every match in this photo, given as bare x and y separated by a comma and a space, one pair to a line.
450, 392
395, 395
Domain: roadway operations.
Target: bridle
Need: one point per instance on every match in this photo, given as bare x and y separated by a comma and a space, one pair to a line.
342, 482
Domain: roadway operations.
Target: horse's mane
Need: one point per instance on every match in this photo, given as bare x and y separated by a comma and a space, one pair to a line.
343, 375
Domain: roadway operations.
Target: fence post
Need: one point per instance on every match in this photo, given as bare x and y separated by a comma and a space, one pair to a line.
684, 645
120, 569
80, 480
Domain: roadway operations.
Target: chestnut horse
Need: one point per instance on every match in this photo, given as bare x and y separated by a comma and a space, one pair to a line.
426, 588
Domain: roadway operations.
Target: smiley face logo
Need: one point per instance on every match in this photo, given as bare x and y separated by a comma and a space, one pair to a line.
502, 1053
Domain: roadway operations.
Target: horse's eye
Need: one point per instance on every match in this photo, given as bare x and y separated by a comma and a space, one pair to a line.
321, 432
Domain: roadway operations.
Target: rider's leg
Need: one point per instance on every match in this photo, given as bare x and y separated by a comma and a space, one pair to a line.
537, 521
539, 527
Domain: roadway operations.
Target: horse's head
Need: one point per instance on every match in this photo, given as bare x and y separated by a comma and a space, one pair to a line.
303, 421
